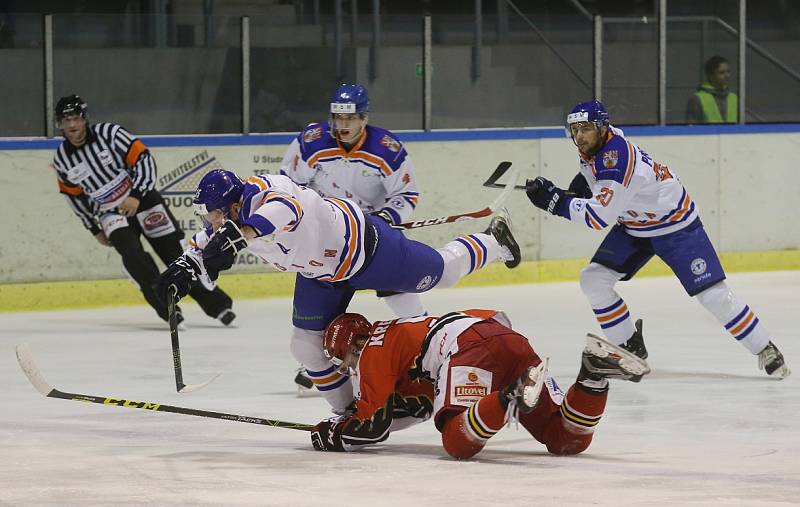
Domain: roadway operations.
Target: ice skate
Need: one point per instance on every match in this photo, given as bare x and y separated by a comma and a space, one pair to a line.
635, 343
226, 317
602, 359
500, 229
303, 381
771, 360
526, 389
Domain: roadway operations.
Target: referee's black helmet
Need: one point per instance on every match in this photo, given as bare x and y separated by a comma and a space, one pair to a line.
71, 105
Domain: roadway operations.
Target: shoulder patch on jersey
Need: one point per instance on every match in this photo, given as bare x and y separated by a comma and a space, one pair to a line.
610, 159
390, 143
312, 134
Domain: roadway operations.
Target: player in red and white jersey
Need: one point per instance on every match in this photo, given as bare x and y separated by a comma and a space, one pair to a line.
651, 213
334, 248
473, 373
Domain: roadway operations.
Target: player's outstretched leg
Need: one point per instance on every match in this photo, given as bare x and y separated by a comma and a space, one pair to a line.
635, 343
500, 228
771, 360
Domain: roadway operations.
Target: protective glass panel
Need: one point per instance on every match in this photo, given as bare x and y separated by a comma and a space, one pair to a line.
700, 33
773, 62
532, 63
153, 74
22, 85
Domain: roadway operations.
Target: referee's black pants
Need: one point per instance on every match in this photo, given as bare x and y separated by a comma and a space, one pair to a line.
142, 268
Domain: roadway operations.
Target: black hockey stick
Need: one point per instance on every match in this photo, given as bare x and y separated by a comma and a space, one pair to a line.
493, 208
176, 348
26, 362
491, 181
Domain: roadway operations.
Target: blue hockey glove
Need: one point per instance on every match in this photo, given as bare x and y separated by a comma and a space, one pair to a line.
182, 273
327, 436
221, 250
545, 195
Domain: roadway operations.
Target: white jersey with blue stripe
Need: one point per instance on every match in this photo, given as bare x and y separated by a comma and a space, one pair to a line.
376, 173
631, 189
298, 230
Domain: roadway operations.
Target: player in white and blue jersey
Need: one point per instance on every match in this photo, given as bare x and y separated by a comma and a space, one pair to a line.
334, 248
650, 213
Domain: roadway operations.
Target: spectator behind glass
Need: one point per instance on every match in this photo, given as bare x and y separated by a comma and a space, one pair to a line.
713, 102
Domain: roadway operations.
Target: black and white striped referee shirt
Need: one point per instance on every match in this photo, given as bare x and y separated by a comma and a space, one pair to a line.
98, 176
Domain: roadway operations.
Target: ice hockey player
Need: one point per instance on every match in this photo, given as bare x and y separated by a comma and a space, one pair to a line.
473, 373
651, 213
108, 176
332, 246
347, 158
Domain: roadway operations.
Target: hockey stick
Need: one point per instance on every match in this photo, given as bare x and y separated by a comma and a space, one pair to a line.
29, 368
491, 181
176, 348
485, 212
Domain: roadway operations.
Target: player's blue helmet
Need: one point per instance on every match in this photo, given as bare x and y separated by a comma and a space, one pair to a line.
350, 98
217, 190
593, 112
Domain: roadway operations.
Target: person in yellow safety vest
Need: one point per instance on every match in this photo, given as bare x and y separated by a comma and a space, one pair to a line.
713, 102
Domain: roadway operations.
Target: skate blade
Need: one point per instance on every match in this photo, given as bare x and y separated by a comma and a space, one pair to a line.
531, 393
629, 362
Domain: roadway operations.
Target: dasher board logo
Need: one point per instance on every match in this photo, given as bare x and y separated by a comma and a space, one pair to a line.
183, 180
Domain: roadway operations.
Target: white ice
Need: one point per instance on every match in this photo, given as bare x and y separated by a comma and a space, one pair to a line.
705, 428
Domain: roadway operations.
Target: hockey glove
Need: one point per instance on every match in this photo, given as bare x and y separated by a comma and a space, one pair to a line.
385, 216
221, 250
327, 435
579, 187
182, 273
545, 195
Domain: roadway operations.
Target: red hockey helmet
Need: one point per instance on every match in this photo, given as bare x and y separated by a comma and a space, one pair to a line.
342, 333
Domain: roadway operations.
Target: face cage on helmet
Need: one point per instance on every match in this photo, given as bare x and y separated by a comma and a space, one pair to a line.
333, 131
202, 212
61, 117
568, 129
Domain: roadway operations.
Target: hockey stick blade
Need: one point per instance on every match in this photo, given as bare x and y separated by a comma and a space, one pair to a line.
180, 386
491, 181
493, 208
29, 368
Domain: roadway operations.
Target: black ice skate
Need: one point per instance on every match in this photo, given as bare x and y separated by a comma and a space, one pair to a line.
226, 317
771, 360
635, 343
303, 381
604, 360
500, 228
526, 389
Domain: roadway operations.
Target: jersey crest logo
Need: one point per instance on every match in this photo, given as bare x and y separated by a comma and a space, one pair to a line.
610, 159
312, 134
425, 283
390, 143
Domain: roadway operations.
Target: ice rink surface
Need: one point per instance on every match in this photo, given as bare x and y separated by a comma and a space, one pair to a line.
705, 428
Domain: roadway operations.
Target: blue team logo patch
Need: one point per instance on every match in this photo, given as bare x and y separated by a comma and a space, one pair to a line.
610, 159
698, 266
390, 143
312, 134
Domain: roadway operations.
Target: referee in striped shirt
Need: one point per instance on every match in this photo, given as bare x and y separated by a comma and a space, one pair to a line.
108, 178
